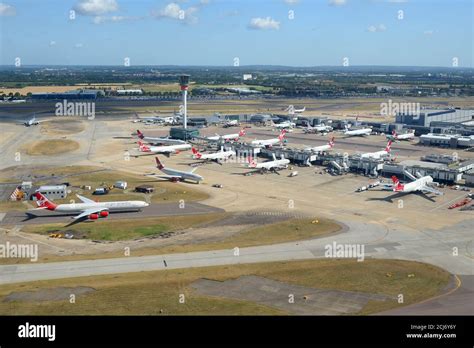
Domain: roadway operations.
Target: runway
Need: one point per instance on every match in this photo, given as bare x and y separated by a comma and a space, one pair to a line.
154, 210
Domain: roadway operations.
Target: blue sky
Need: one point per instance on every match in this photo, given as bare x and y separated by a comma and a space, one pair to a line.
214, 32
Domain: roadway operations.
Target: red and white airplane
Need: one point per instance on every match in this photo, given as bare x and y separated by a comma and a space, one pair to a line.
157, 140
270, 142
321, 148
269, 166
88, 209
378, 154
167, 150
216, 156
421, 184
226, 137
405, 136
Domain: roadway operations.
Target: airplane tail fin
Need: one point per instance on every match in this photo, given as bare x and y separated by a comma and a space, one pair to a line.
397, 184
388, 147
44, 202
331, 142
282, 134
252, 163
242, 132
159, 165
140, 134
196, 153
143, 147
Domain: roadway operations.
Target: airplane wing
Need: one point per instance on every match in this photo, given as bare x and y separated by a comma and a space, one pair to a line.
165, 176
84, 199
87, 212
194, 169
429, 189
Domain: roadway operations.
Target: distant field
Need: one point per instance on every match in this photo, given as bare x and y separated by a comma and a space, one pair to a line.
155, 293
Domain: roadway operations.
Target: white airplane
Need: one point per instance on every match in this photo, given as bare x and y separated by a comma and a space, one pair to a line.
378, 154
31, 122
272, 166
321, 148
292, 110
158, 140
357, 132
216, 156
270, 142
88, 209
319, 128
405, 136
226, 137
167, 150
284, 125
176, 175
421, 184
231, 123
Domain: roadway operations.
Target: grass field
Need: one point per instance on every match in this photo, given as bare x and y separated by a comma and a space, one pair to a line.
154, 293
50, 147
286, 231
110, 230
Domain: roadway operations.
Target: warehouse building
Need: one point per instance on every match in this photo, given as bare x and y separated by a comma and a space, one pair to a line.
427, 116
81, 94
447, 140
53, 191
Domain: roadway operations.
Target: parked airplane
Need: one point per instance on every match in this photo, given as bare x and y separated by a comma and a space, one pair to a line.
88, 209
405, 136
31, 122
420, 183
270, 142
284, 125
176, 175
216, 156
292, 110
321, 148
269, 166
319, 128
167, 150
158, 140
226, 137
357, 132
231, 123
378, 154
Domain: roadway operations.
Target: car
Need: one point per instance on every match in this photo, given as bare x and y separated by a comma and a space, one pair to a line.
217, 186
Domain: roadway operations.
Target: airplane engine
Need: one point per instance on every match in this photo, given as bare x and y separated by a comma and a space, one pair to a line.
104, 214
93, 216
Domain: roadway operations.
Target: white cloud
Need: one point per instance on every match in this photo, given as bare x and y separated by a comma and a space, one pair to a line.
52, 43
377, 28
113, 19
337, 2
7, 10
95, 7
174, 11
291, 2
267, 23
